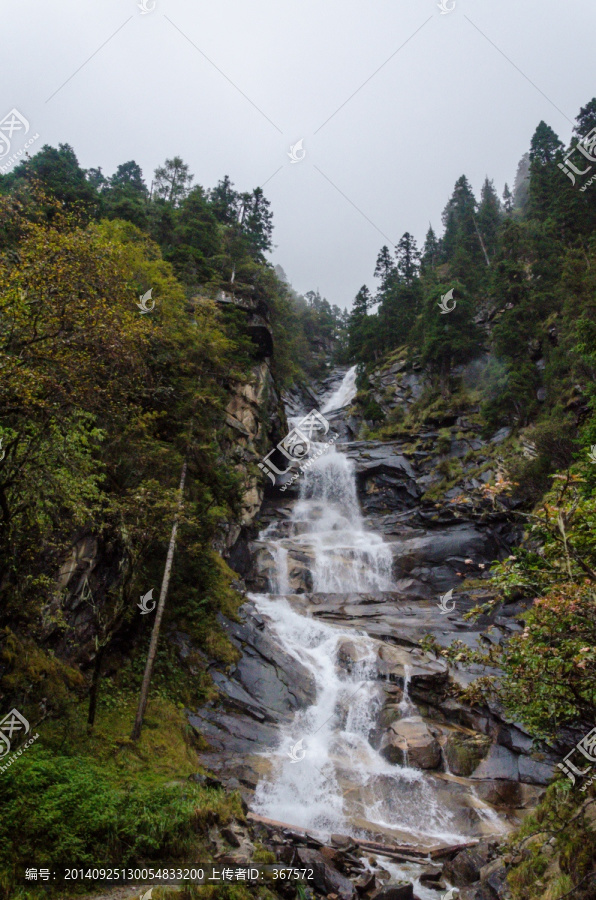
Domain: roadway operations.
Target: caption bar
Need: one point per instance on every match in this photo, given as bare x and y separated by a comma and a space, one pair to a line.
206, 874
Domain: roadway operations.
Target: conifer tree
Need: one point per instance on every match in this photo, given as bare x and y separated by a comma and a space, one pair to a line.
488, 219
430, 251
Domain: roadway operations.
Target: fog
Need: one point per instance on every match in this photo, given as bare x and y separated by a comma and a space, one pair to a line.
392, 99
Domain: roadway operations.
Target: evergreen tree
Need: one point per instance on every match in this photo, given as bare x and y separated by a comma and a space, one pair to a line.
546, 183
125, 196
408, 258
446, 340
461, 246
225, 201
507, 200
256, 222
358, 324
430, 251
97, 179
488, 219
172, 181
521, 184
129, 176
60, 173
586, 120
385, 267
194, 240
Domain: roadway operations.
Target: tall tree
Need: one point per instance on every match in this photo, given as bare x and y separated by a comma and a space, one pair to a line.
385, 268
358, 322
521, 184
256, 222
172, 181
546, 183
507, 200
129, 176
460, 244
144, 695
60, 174
430, 251
488, 219
408, 258
225, 201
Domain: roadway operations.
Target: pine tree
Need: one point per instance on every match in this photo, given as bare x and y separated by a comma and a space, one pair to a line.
225, 201
173, 181
385, 267
507, 200
488, 219
521, 184
358, 323
461, 246
448, 339
125, 195
408, 258
399, 302
546, 183
586, 119
256, 222
129, 176
430, 251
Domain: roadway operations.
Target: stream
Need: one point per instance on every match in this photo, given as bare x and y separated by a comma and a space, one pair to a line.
326, 772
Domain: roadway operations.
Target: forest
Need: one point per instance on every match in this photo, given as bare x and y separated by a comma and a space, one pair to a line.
137, 316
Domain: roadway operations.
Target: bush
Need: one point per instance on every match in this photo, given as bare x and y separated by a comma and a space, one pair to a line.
554, 451
61, 811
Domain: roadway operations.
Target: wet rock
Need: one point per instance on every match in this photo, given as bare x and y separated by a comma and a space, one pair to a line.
477, 892
465, 868
436, 547
365, 883
504, 794
205, 780
536, 771
410, 742
233, 835
431, 876
426, 674
401, 890
464, 752
347, 655
498, 763
494, 876
326, 878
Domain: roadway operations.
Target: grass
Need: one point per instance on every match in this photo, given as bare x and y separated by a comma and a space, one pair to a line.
79, 799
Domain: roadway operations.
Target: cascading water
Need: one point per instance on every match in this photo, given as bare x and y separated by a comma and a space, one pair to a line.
325, 773
344, 394
327, 517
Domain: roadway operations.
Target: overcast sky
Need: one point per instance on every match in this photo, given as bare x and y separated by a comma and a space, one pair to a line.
230, 85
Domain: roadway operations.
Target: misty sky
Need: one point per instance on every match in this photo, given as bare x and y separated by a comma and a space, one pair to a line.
264, 74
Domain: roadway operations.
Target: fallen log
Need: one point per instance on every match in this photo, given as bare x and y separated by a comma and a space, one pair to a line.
399, 852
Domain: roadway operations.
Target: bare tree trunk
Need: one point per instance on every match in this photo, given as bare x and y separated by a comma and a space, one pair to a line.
136, 731
481, 243
95, 679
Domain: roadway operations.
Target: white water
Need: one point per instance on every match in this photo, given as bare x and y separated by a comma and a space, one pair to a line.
342, 784
346, 557
342, 780
344, 394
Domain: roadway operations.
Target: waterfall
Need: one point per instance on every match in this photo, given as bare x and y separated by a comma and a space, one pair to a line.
347, 558
325, 772
344, 394
406, 707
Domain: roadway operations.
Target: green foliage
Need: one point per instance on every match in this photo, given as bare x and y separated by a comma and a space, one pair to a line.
92, 800
553, 851
549, 668
523, 281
